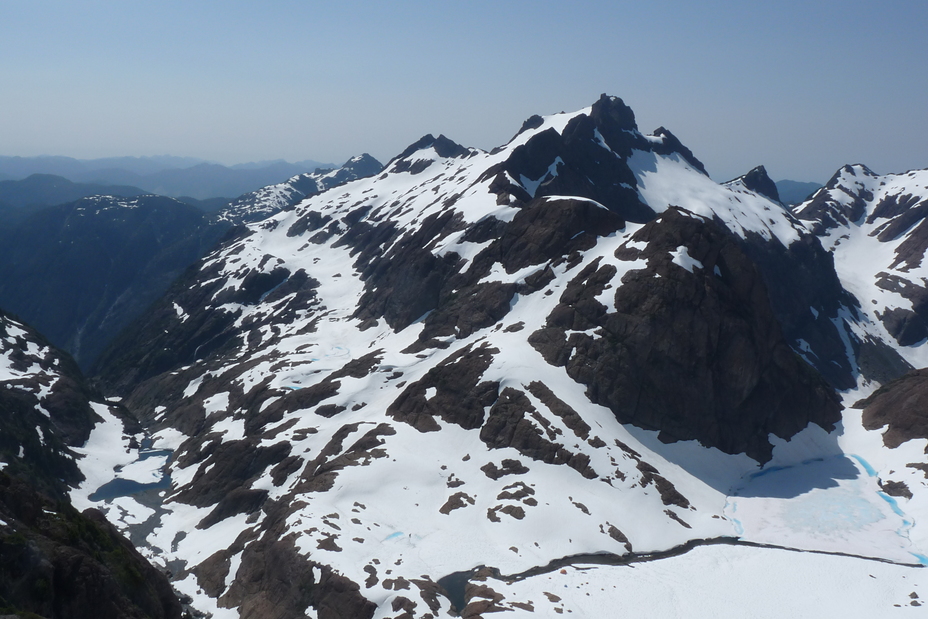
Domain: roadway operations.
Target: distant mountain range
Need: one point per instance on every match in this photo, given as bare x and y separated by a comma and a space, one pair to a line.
111, 251
166, 175
38, 190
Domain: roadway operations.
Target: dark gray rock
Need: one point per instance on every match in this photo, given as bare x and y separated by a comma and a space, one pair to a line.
693, 355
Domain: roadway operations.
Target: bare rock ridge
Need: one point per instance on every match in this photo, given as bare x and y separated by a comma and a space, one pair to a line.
696, 354
758, 181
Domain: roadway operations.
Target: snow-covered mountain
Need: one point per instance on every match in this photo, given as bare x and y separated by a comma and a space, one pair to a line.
875, 226
491, 381
272, 199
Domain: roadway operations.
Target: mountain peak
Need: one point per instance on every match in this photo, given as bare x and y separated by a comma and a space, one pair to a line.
443, 146
758, 181
580, 325
854, 169
363, 165
612, 110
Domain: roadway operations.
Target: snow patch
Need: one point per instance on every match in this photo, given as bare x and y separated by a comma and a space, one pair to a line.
681, 257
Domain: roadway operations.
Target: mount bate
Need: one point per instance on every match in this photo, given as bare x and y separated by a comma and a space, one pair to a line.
569, 354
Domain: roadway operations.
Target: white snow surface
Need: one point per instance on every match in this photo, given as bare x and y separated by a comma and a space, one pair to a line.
665, 181
721, 581
681, 257
105, 451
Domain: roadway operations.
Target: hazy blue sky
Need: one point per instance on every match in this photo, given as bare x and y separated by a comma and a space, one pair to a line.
800, 86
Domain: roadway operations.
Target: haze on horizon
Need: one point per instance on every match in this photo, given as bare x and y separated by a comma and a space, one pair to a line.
802, 88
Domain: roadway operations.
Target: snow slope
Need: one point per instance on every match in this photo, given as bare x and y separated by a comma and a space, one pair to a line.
266, 201
874, 226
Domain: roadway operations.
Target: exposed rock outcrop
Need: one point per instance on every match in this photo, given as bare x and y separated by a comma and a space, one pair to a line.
695, 352
901, 407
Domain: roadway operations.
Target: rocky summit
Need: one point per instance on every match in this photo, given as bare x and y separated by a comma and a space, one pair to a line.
478, 382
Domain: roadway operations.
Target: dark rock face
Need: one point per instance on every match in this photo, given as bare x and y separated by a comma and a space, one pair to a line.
507, 426
409, 281
577, 162
800, 277
696, 355
908, 326
758, 181
896, 488
901, 407
59, 563
806, 294
905, 325
546, 229
292, 586
275, 580
459, 397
